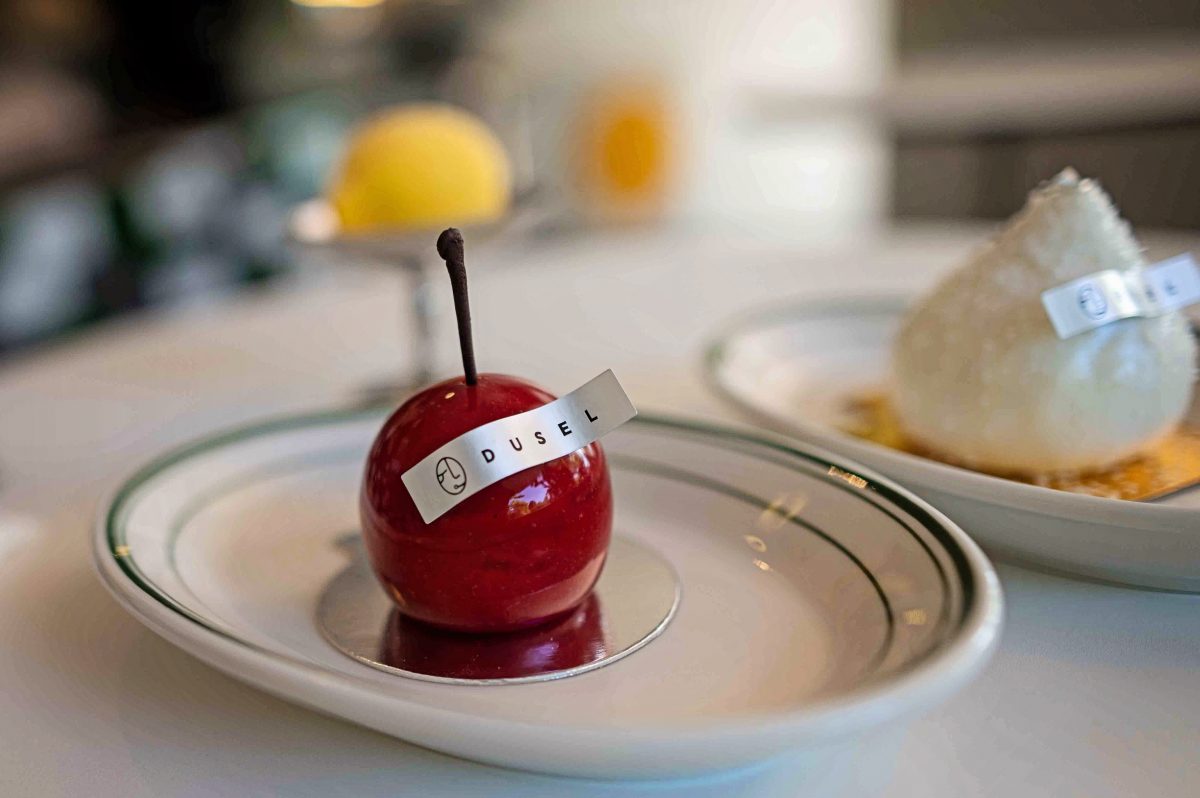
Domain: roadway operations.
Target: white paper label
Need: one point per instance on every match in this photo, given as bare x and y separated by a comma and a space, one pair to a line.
1111, 295
489, 453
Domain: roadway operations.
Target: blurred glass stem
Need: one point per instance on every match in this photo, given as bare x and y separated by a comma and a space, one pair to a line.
421, 301
417, 329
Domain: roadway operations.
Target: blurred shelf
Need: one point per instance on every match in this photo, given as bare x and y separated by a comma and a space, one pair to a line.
1037, 88
1045, 88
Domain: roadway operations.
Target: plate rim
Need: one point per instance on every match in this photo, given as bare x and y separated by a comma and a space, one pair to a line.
946, 668
992, 490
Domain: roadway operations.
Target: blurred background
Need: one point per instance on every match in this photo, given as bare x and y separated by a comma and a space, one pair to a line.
151, 153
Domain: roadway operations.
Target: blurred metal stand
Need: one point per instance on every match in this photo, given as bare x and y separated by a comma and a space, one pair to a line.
314, 226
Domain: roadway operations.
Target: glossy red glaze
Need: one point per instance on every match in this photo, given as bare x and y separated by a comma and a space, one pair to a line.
518, 553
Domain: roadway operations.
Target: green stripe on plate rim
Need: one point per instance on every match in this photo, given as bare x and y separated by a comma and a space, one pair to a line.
114, 536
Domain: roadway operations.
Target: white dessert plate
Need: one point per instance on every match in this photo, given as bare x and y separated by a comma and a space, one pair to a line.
793, 368
818, 600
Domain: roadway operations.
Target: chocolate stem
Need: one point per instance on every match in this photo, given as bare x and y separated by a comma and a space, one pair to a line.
450, 247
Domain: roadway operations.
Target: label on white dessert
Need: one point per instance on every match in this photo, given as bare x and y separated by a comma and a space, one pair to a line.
487, 454
1112, 295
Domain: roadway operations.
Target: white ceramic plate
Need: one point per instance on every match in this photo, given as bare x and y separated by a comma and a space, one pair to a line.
792, 369
817, 600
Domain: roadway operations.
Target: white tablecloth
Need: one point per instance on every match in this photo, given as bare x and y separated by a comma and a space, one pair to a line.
1095, 690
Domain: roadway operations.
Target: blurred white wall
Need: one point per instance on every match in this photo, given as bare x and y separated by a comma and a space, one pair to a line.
775, 98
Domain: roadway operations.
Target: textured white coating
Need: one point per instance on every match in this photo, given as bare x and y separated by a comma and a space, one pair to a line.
981, 376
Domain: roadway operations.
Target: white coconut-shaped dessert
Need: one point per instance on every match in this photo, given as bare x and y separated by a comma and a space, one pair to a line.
981, 377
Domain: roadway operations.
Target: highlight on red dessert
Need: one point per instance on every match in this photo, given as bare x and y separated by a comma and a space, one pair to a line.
523, 551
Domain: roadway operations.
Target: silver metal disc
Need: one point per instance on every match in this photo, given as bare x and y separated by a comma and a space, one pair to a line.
632, 603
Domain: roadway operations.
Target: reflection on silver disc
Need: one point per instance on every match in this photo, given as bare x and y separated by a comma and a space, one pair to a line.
633, 602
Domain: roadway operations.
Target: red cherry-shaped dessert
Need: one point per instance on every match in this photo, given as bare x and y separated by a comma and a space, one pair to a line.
520, 552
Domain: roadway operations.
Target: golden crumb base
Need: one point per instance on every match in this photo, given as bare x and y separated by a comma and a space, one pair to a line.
1170, 465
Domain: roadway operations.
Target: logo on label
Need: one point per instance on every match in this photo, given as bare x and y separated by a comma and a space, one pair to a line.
451, 476
1092, 301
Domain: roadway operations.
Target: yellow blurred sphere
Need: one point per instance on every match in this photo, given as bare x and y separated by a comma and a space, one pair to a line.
421, 166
